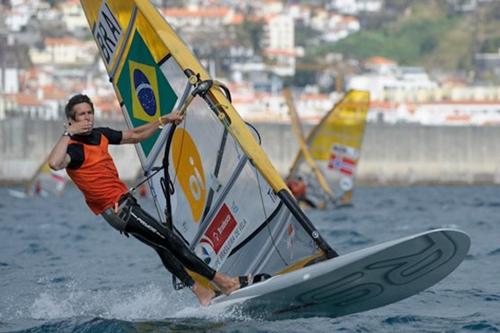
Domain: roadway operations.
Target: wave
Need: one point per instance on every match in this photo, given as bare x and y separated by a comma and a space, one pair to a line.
495, 252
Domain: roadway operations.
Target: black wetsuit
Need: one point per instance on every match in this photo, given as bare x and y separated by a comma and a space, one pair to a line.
130, 218
173, 251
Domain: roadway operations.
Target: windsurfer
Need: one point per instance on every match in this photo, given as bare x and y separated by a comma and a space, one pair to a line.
298, 187
38, 188
83, 151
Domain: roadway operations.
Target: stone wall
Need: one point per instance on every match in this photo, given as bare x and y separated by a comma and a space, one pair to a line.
402, 154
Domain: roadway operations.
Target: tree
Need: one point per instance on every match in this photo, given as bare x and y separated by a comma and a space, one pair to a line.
249, 34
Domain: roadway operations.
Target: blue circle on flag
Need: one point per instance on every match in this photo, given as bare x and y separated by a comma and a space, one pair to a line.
144, 92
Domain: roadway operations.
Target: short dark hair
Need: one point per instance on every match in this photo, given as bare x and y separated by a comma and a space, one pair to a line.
77, 99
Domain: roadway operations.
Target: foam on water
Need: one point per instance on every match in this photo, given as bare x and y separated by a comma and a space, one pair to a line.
147, 302
64, 270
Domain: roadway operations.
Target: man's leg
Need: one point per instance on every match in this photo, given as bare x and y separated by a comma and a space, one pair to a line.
143, 224
170, 262
140, 223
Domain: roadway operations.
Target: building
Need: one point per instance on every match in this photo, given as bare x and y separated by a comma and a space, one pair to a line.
405, 84
488, 64
74, 17
194, 17
10, 65
279, 44
64, 51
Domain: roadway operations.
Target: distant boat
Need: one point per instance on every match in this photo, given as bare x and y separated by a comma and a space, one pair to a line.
44, 182
327, 160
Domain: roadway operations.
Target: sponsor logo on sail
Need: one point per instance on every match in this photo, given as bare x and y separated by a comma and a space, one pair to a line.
219, 230
342, 159
189, 171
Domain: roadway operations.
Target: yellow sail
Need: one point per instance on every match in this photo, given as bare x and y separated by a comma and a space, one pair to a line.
335, 145
299, 134
46, 181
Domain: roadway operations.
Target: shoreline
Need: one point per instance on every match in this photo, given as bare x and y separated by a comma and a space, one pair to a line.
393, 155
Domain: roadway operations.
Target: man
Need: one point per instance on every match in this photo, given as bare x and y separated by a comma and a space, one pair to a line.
298, 187
83, 151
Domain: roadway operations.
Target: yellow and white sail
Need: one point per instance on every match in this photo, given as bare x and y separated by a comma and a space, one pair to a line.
326, 194
220, 192
334, 146
47, 181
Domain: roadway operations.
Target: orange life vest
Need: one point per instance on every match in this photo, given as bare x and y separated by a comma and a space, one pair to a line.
97, 177
297, 187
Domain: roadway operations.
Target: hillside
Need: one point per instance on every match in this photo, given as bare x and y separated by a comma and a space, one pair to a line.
425, 33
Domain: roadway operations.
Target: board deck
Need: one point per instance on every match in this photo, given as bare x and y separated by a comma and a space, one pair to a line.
357, 281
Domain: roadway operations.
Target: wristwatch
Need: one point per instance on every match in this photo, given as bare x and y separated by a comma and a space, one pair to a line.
67, 133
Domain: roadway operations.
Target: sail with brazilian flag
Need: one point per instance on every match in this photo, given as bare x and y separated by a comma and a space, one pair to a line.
217, 189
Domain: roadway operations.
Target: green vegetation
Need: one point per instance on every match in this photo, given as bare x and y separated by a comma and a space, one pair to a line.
250, 33
425, 33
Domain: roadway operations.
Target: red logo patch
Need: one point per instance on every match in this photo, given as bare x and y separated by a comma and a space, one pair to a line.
344, 164
219, 230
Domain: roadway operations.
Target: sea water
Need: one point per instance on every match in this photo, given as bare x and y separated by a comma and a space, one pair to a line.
62, 269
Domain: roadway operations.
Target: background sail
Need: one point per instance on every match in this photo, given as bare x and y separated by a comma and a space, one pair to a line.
47, 181
224, 196
319, 192
335, 145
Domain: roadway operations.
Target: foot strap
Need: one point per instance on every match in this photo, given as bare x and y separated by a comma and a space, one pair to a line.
248, 280
245, 280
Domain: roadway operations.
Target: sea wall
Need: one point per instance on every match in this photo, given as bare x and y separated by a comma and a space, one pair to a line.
408, 154
401, 154
26, 143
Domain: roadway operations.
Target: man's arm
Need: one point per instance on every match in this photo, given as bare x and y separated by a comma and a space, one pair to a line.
59, 157
138, 134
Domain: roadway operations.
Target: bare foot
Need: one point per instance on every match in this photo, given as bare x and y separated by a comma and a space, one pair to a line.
204, 295
227, 284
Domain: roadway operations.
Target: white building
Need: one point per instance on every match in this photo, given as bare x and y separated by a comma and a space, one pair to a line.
353, 7
73, 16
258, 106
17, 18
279, 44
9, 66
458, 113
311, 107
393, 87
300, 13
196, 17
339, 27
270, 7
64, 51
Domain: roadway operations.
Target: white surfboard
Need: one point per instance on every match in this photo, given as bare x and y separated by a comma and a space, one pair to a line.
355, 282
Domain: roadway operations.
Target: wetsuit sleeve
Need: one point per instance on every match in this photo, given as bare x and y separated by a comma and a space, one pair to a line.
114, 137
75, 151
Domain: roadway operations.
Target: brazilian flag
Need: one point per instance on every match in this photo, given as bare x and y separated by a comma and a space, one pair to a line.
146, 93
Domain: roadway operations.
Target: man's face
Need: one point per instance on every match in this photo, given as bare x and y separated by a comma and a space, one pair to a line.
84, 116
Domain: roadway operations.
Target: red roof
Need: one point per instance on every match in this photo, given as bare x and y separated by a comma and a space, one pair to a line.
279, 52
54, 93
62, 41
202, 12
379, 61
27, 100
